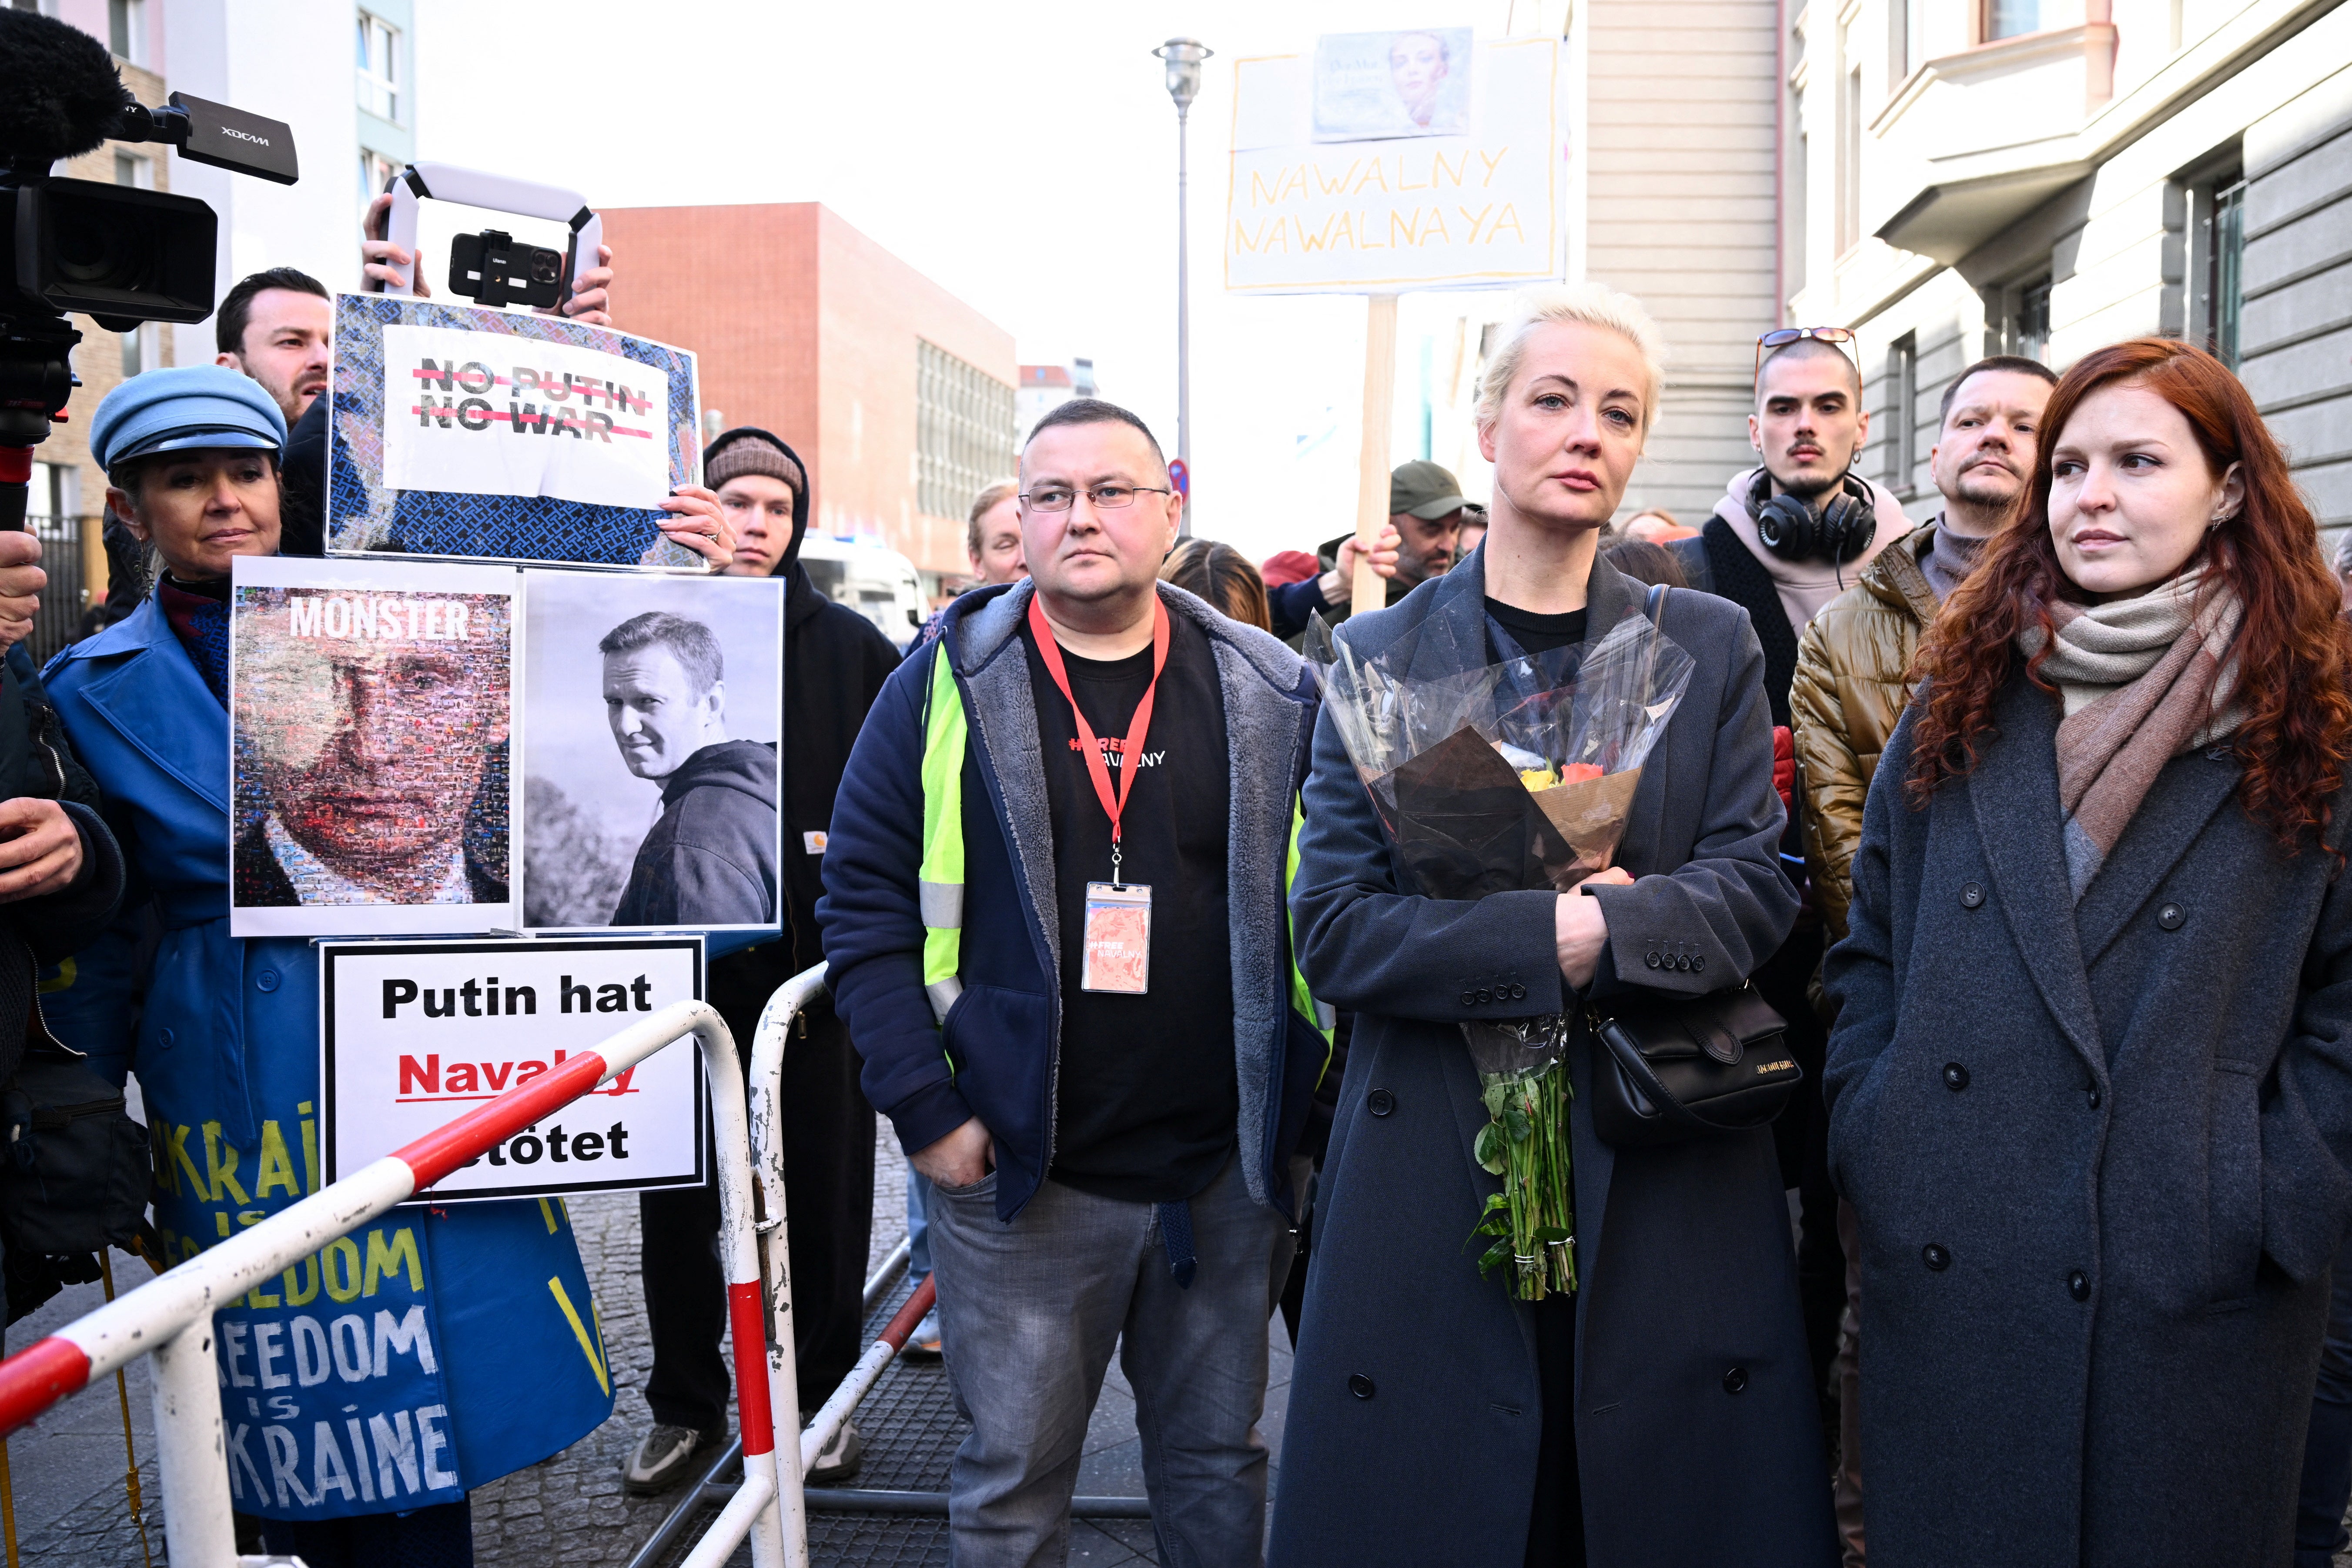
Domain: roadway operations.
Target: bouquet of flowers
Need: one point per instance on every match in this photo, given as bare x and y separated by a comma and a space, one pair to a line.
1501, 776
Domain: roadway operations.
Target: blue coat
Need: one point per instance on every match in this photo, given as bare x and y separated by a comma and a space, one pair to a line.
1416, 1412
434, 1349
995, 1058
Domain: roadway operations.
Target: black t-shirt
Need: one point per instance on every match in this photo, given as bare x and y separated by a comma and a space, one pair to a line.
1537, 634
1147, 1098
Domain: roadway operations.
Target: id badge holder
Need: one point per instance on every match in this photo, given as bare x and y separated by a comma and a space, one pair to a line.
1117, 953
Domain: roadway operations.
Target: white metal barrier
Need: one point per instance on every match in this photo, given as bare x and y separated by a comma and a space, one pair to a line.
171, 1317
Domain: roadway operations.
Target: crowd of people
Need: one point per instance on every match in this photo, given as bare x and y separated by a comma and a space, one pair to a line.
2028, 821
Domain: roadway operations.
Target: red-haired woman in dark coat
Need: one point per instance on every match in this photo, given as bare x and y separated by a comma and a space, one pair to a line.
2091, 1086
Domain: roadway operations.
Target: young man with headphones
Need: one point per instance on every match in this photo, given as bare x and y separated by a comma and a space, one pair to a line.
1794, 532
1787, 537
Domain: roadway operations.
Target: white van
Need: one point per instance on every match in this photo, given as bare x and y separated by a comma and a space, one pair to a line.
872, 579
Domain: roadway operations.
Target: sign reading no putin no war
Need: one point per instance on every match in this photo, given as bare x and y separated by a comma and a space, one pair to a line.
413, 1034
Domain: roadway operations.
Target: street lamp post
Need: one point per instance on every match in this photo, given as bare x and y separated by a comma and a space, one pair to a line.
1183, 57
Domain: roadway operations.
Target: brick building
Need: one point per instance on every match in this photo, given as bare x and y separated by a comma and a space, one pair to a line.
898, 394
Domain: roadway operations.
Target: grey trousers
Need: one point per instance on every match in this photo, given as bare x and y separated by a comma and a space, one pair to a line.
1030, 1312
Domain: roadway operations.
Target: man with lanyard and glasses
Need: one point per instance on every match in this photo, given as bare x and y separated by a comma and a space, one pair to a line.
1054, 916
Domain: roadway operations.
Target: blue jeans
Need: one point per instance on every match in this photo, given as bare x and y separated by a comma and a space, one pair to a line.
919, 1226
1030, 1312
2327, 1449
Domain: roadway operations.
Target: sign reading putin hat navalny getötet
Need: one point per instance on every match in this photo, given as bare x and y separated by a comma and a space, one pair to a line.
415, 1034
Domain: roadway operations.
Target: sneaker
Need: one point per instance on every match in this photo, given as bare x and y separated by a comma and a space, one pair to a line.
667, 1456
837, 1460
923, 1344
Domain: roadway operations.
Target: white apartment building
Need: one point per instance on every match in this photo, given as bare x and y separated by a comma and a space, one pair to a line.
1965, 177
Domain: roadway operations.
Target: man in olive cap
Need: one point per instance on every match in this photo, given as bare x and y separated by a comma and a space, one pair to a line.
1425, 526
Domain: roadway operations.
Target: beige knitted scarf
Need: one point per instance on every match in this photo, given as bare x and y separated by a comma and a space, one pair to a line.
2143, 680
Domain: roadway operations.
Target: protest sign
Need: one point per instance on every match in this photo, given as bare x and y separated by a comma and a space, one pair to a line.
509, 416
370, 706
652, 716
1469, 195
413, 1034
467, 431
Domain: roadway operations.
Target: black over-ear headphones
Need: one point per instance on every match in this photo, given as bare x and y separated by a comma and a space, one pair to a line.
1793, 530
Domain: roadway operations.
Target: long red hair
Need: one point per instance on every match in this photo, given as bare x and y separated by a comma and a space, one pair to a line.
2293, 650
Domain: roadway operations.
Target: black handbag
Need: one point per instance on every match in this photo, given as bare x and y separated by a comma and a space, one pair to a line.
74, 1174
1671, 1068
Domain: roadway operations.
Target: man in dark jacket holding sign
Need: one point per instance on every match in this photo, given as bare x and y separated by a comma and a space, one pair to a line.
1054, 911
835, 664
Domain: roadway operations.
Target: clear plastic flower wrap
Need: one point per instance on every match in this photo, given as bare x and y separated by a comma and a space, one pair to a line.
1504, 776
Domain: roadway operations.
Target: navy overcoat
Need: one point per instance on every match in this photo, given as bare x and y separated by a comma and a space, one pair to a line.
1415, 1419
2098, 1153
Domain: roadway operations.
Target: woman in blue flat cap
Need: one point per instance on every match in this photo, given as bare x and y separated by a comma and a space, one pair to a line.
371, 1385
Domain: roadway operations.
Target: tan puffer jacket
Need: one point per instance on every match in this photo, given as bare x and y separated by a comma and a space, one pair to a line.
1848, 692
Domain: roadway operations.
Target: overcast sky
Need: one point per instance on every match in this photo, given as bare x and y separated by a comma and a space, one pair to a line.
1023, 155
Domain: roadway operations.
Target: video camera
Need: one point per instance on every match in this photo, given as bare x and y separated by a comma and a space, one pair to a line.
117, 254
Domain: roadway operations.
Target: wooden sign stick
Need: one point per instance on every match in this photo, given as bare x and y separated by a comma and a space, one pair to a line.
1369, 590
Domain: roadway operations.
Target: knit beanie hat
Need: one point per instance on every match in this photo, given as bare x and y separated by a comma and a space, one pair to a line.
747, 454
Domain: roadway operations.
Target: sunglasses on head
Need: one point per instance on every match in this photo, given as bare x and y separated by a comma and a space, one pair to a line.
1781, 337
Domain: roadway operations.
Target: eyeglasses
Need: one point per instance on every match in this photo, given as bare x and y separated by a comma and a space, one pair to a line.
1107, 497
1781, 337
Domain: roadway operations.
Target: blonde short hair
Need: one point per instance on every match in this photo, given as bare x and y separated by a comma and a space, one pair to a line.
1595, 305
982, 505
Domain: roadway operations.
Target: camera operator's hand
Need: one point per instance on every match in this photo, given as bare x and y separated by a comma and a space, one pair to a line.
591, 296
21, 581
41, 848
698, 521
378, 256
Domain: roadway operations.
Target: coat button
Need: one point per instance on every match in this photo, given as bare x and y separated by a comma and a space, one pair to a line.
2078, 1285
1681, 963
1485, 997
1936, 1256
1956, 1076
2172, 917
1359, 1386
1518, 992
1698, 963
1379, 1102
1971, 895
164, 1039
1469, 998
1654, 961
2094, 1097
265, 980
1736, 1380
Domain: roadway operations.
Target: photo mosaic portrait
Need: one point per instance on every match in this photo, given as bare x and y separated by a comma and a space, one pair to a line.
370, 716
1376, 86
464, 431
652, 723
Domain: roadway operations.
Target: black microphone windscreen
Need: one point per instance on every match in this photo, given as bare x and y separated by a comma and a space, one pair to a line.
60, 93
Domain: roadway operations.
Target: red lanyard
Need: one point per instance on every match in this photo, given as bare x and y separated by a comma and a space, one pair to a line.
1131, 748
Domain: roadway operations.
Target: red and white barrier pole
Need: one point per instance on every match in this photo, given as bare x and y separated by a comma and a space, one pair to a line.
171, 1317
770, 1040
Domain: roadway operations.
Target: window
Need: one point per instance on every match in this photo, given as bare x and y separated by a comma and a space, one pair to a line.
138, 172
375, 176
2011, 18
1903, 411
1801, 235
2223, 241
1907, 40
1850, 165
963, 432
379, 68
2029, 322
138, 352
126, 29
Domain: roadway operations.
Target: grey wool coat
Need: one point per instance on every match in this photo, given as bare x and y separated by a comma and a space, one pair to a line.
2098, 1154
1415, 1416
